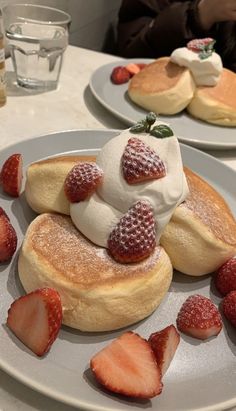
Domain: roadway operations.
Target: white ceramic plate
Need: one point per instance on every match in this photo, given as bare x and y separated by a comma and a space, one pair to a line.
202, 374
189, 130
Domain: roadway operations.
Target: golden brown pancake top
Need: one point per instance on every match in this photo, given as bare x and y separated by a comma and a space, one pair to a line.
210, 208
225, 90
157, 77
56, 241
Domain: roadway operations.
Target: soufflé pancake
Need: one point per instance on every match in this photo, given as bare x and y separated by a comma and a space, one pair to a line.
201, 235
216, 105
162, 87
97, 293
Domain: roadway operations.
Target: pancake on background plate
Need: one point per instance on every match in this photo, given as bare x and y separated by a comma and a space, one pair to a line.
216, 105
163, 87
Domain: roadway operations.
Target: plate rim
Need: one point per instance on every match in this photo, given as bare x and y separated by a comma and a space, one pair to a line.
42, 388
128, 121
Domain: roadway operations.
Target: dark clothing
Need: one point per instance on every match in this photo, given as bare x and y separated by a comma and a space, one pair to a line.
154, 28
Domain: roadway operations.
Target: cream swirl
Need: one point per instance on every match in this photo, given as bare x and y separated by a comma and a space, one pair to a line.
98, 215
206, 72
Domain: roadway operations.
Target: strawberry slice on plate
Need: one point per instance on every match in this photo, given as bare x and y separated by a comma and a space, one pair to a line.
141, 163
82, 180
11, 175
8, 237
134, 237
225, 279
35, 319
199, 317
127, 366
164, 344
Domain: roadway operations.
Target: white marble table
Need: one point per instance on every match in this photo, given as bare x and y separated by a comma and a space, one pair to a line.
27, 115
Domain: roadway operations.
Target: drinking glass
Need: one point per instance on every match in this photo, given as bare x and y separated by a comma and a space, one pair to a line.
37, 38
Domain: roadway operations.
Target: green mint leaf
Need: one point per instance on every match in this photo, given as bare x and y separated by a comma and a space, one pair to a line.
138, 128
161, 131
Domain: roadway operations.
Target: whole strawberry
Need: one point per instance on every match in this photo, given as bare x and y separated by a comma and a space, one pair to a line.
8, 237
141, 163
229, 307
225, 279
199, 317
82, 180
120, 75
133, 238
11, 175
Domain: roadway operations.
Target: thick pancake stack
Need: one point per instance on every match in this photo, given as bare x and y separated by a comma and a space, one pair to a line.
167, 88
99, 294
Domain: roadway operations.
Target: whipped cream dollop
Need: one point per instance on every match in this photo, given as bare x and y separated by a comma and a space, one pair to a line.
206, 72
97, 216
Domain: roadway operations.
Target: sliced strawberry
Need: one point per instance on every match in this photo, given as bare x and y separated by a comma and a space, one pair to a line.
229, 307
133, 238
8, 237
164, 343
120, 75
141, 65
199, 45
225, 279
36, 319
11, 175
140, 162
82, 181
132, 69
199, 317
127, 366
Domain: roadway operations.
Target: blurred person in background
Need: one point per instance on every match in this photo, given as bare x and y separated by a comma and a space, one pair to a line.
154, 28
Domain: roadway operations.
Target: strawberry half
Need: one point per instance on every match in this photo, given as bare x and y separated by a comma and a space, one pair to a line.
8, 237
225, 279
127, 366
36, 319
132, 68
199, 317
199, 45
164, 343
141, 163
82, 181
11, 175
229, 307
120, 75
134, 237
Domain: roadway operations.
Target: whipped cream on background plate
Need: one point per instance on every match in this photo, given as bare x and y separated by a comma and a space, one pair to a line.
98, 215
206, 72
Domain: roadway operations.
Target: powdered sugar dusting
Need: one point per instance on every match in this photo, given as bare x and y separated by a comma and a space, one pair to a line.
57, 241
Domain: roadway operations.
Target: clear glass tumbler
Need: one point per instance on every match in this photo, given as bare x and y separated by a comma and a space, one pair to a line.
37, 38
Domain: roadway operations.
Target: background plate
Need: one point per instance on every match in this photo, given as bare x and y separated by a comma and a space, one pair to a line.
189, 130
202, 375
